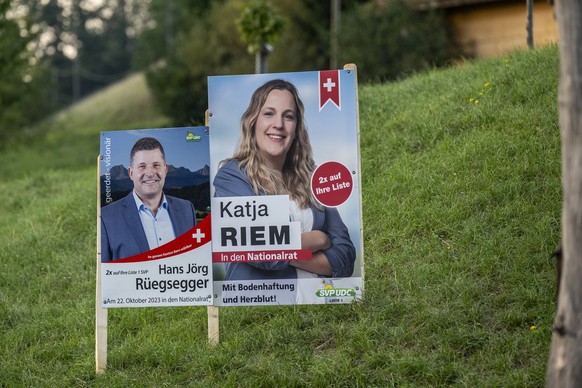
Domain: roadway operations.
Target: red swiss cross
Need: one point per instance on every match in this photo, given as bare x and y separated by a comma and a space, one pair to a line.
329, 88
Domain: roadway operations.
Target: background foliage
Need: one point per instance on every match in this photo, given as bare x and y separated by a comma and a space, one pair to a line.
391, 42
74, 48
179, 82
22, 100
386, 42
259, 25
88, 44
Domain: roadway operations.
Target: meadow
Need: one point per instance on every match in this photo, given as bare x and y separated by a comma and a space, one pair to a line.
462, 196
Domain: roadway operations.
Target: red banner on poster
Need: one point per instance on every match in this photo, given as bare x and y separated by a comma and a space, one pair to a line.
329, 88
196, 237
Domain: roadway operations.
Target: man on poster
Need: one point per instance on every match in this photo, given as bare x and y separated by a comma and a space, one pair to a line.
146, 218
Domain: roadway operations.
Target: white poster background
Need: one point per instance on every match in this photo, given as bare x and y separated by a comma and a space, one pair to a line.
288, 291
239, 214
180, 280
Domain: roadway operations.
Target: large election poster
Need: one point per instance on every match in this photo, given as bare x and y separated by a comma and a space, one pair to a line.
154, 218
285, 187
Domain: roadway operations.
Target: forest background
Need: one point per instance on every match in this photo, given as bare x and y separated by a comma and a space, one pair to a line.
56, 52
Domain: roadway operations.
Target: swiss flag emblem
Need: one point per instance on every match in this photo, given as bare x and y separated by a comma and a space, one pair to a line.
329, 88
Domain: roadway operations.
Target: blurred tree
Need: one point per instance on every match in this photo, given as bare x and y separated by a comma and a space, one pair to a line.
205, 41
170, 20
391, 41
208, 46
189, 41
260, 27
304, 44
22, 77
89, 44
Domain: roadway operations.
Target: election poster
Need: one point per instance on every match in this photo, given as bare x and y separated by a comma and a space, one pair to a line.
154, 218
285, 188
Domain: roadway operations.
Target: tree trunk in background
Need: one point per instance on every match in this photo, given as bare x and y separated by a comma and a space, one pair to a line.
565, 362
76, 66
529, 23
334, 33
261, 58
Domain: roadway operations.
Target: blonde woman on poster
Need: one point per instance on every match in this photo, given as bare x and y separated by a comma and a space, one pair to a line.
274, 157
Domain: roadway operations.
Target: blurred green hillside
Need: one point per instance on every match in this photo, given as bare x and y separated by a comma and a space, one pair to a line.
461, 202
70, 139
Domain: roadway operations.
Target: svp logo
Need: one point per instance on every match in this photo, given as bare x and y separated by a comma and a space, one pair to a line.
329, 292
192, 137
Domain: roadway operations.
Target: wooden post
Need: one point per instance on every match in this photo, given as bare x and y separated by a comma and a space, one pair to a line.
213, 328
213, 323
529, 23
334, 33
354, 69
565, 362
100, 312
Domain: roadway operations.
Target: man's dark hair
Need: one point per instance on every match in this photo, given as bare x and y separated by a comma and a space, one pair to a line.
146, 144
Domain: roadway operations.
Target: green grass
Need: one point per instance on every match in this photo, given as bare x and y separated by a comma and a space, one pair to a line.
461, 212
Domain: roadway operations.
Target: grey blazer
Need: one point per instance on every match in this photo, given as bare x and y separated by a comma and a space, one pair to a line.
230, 181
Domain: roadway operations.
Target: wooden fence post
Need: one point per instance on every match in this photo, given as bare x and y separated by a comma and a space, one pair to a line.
100, 312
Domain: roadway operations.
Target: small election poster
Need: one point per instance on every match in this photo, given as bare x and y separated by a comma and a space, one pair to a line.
154, 215
285, 187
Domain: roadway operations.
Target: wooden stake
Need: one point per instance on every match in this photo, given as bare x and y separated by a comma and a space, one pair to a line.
354, 68
213, 329
100, 312
213, 323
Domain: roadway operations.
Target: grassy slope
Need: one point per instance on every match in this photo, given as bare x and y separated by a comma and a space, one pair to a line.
461, 210
70, 139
